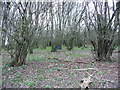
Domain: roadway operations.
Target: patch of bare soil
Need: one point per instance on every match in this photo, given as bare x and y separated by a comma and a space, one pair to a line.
62, 74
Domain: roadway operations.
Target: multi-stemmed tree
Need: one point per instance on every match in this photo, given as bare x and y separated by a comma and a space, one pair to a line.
19, 27
104, 22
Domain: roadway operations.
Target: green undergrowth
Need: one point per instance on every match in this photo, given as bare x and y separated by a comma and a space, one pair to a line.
55, 68
35, 58
30, 83
89, 66
47, 86
5, 66
53, 56
83, 48
77, 55
88, 47
54, 61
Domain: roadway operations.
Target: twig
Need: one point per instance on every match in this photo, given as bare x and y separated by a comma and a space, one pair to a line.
81, 62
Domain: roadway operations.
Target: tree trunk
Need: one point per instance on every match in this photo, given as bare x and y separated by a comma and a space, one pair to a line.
20, 55
70, 44
102, 51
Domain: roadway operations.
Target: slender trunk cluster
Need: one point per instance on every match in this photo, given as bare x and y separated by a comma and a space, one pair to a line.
105, 28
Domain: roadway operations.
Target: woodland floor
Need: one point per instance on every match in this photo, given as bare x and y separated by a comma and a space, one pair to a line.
61, 69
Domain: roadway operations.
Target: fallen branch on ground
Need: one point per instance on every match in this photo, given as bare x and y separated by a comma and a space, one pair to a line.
81, 62
99, 78
85, 69
86, 81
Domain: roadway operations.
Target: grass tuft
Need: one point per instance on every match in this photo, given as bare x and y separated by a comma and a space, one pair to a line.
30, 84
47, 86
36, 59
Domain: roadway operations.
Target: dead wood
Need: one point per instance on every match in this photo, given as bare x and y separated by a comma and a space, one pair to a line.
85, 69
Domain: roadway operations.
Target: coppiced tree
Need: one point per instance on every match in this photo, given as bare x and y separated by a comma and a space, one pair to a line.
103, 21
19, 26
